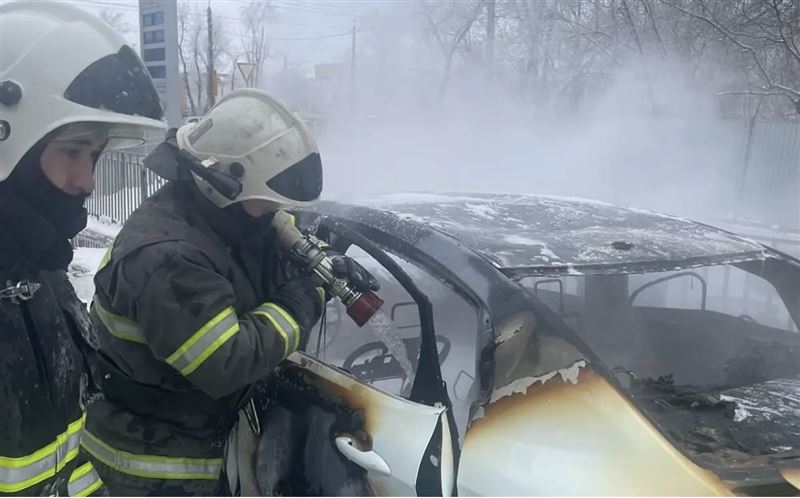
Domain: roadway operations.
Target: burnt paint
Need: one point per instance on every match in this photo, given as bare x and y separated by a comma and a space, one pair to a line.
578, 414
301, 414
473, 275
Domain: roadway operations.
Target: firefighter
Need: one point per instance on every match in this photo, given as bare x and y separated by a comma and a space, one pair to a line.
69, 87
195, 301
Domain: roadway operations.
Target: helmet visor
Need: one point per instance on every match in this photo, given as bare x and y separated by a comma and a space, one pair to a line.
300, 182
118, 83
112, 136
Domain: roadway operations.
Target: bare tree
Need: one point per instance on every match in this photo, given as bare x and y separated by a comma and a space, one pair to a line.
193, 52
116, 20
185, 27
558, 54
767, 35
449, 22
255, 17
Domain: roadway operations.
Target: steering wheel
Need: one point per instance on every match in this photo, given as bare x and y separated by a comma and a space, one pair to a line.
373, 361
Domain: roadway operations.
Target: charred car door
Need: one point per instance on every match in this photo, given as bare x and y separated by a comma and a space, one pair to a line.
363, 410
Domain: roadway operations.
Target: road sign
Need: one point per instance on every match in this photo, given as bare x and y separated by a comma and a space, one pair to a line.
246, 69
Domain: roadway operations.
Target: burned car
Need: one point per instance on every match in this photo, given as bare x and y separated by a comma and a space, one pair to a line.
533, 345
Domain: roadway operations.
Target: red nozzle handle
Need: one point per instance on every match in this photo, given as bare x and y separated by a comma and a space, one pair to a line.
364, 308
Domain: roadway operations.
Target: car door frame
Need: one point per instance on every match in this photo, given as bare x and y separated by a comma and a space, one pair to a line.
436, 466
428, 388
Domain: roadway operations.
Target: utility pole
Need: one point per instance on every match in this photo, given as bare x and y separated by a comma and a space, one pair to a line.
233, 72
211, 73
490, 34
353, 69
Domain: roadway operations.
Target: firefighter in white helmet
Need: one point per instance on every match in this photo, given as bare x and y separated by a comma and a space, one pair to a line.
69, 88
194, 302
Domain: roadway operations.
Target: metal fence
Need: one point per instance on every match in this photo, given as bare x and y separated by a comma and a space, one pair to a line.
121, 184
767, 183
784, 239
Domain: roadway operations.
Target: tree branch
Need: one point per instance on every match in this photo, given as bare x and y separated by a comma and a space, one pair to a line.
725, 32
786, 43
649, 11
751, 92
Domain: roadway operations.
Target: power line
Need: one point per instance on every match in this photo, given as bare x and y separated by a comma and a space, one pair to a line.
299, 7
306, 38
312, 37
296, 7
199, 15
109, 4
271, 22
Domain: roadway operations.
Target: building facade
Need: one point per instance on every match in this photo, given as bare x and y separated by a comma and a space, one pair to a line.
158, 36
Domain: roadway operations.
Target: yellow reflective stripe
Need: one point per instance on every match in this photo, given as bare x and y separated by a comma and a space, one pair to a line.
211, 349
19, 473
321, 293
80, 471
84, 481
277, 327
118, 325
205, 341
151, 466
106, 259
283, 323
17, 462
286, 316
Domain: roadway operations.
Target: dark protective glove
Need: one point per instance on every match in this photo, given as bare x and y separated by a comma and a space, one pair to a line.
351, 270
302, 299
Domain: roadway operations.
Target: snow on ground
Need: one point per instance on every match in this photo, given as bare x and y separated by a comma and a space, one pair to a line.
82, 269
102, 226
100, 231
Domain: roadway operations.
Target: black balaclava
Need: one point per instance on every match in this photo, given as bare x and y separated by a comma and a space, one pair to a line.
47, 216
249, 225
63, 211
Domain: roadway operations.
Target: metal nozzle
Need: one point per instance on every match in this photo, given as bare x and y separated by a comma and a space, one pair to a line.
360, 306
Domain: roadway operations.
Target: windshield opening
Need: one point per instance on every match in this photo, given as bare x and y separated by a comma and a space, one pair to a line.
709, 327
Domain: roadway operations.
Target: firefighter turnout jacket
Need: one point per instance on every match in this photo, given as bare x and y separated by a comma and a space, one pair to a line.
186, 323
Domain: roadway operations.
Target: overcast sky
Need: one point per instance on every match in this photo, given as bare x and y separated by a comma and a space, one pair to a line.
294, 21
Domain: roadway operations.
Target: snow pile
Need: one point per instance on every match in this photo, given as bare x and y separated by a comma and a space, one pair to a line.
102, 226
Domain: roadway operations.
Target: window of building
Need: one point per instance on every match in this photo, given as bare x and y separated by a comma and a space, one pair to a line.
154, 54
155, 36
157, 71
153, 19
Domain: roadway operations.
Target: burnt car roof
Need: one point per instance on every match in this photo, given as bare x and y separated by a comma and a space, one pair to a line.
534, 234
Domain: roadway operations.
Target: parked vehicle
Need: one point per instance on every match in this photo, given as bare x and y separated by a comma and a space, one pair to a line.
534, 345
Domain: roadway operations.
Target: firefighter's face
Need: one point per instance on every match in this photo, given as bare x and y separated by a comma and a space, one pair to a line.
69, 164
258, 207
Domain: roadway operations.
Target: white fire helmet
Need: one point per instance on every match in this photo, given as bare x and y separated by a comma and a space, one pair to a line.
256, 139
60, 65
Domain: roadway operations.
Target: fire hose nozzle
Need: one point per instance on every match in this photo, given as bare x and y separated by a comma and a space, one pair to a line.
361, 306
364, 308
